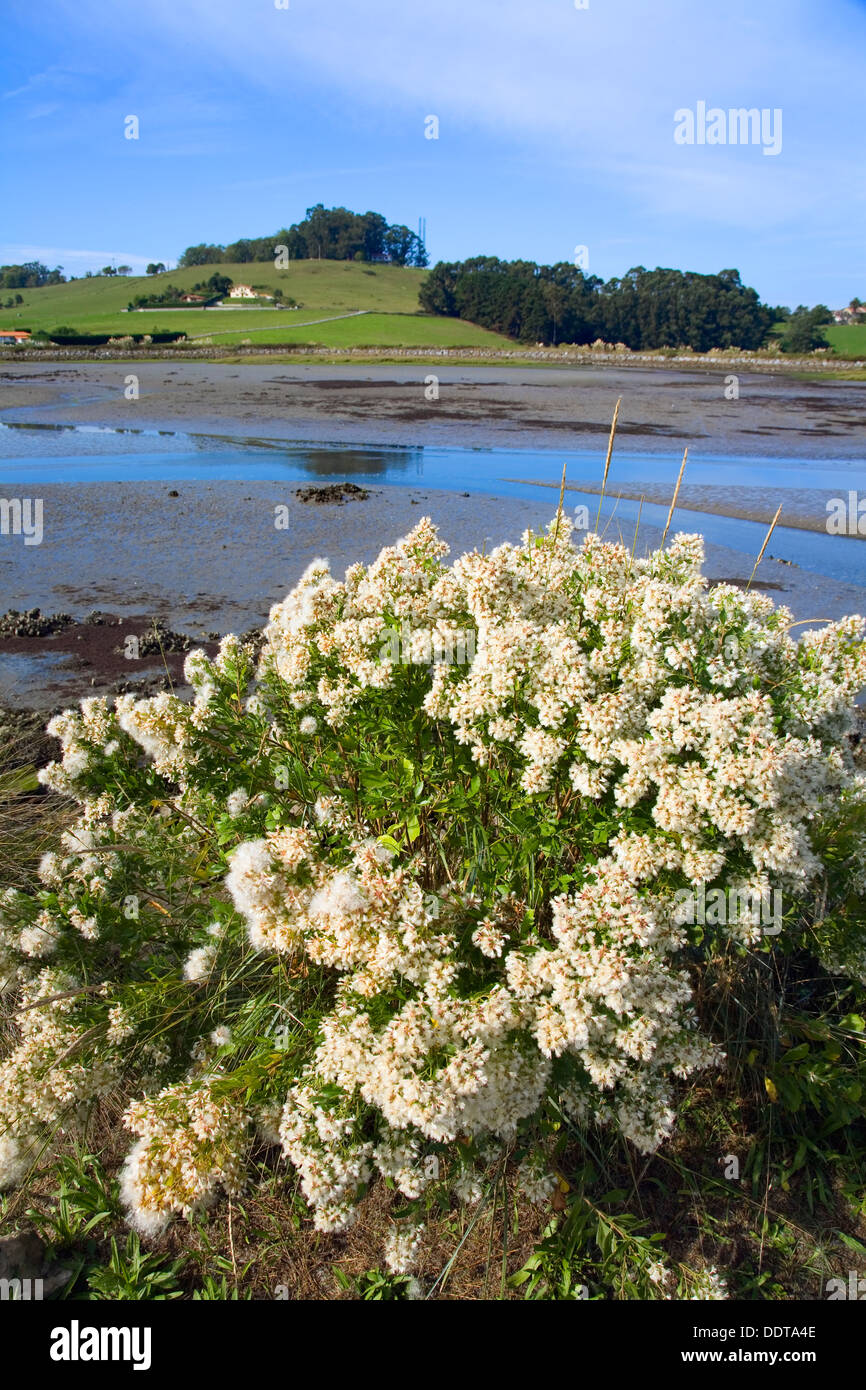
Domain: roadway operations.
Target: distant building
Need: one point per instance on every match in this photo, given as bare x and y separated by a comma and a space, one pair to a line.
14, 335
247, 292
192, 298
855, 313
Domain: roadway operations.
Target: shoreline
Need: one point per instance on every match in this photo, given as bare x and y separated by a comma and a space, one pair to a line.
801, 510
513, 407
196, 349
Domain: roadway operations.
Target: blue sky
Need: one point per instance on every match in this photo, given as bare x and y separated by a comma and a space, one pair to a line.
555, 130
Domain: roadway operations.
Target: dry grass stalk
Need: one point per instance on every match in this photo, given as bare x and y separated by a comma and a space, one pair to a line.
607, 460
674, 498
764, 546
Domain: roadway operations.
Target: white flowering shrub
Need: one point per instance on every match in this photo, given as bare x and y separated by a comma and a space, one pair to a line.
391, 910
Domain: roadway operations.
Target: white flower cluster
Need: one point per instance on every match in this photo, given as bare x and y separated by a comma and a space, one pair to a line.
163, 727
34, 1088
79, 731
191, 1145
605, 692
536, 1181
58, 1061
402, 1247
602, 993
603, 674
709, 1286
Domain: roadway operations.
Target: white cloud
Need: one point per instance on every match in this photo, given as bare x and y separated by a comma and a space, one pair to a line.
53, 78
597, 87
46, 108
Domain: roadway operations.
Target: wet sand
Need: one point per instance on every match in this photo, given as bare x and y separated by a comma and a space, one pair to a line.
804, 509
207, 558
513, 407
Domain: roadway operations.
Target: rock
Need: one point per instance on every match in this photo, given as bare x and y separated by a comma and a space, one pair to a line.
24, 1257
33, 623
332, 492
21, 1256
159, 638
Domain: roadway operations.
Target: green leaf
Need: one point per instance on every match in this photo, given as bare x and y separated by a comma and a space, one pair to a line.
18, 781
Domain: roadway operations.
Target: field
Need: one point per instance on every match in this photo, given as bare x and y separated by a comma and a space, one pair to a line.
323, 290
341, 304
372, 330
848, 339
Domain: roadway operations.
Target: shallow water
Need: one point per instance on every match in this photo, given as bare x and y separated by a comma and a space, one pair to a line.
31, 455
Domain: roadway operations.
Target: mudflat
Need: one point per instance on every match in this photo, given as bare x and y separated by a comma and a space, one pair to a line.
206, 557
483, 406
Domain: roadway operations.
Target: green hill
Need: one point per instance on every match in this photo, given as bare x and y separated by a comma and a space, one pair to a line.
386, 295
848, 339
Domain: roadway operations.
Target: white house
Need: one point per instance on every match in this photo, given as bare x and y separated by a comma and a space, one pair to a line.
247, 292
855, 313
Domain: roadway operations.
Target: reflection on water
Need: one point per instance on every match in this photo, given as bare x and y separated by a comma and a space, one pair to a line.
105, 453
50, 453
34, 454
335, 461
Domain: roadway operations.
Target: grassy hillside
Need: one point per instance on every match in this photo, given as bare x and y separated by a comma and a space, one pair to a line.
387, 295
370, 330
847, 338
323, 289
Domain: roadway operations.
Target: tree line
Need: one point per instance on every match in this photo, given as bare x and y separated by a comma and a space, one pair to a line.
29, 276
32, 275
643, 309
549, 304
329, 234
